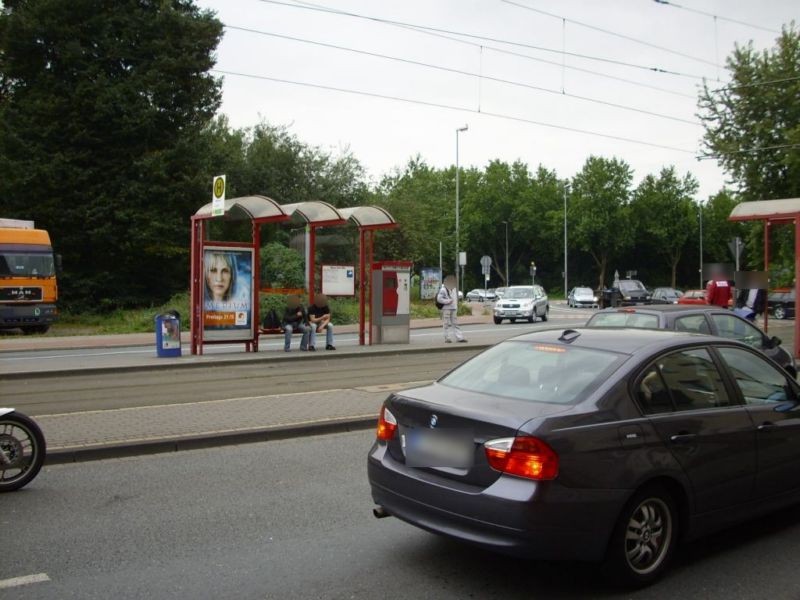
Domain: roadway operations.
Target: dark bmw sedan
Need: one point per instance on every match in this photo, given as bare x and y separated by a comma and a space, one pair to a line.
592, 444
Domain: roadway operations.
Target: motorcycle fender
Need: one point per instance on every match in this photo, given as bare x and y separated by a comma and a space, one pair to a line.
5, 411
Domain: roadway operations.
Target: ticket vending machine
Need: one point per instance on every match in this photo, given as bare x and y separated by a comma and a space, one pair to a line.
391, 296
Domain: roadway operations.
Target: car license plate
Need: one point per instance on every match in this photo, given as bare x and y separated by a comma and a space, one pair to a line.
440, 448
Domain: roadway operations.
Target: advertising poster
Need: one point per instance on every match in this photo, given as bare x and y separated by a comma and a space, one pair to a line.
429, 282
338, 280
170, 334
228, 294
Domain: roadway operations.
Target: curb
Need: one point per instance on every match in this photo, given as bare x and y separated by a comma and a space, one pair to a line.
219, 360
280, 432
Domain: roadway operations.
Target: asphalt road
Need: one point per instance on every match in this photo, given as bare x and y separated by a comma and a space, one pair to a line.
292, 519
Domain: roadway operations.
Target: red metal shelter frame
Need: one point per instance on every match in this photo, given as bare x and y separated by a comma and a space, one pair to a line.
775, 212
260, 210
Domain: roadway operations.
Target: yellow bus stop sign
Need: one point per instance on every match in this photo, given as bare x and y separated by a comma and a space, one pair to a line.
218, 196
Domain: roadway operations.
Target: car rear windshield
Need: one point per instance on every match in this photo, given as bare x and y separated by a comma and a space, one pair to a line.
535, 371
624, 319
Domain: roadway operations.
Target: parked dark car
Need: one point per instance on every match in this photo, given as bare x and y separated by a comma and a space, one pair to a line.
710, 320
592, 444
665, 295
781, 303
633, 292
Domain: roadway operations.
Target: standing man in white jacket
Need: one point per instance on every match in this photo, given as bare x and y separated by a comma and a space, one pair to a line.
448, 298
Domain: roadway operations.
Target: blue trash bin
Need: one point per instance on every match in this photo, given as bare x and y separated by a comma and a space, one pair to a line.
168, 334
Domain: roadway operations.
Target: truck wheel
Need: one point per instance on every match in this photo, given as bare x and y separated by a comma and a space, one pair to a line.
497, 321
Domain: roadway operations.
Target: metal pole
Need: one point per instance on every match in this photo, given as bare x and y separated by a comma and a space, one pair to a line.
506, 224
565, 240
458, 209
701, 245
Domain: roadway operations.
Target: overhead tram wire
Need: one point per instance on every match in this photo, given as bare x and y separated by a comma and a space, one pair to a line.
421, 28
466, 73
452, 107
713, 16
612, 33
483, 46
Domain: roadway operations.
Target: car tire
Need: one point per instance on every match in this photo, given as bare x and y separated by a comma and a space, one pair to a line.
643, 539
545, 315
779, 312
532, 318
512, 320
497, 321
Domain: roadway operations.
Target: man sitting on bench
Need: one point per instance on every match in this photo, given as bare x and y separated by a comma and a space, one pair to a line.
294, 319
319, 315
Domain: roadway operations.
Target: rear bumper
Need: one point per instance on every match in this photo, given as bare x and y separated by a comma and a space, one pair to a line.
22, 315
514, 516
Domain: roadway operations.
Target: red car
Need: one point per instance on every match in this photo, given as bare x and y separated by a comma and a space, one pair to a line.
693, 297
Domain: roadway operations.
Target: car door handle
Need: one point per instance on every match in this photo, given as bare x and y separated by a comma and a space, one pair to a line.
682, 438
767, 426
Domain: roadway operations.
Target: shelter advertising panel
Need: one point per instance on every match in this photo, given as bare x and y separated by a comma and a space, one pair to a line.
338, 280
430, 281
228, 293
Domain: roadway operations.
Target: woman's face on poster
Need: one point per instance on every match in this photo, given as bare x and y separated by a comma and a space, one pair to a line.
218, 278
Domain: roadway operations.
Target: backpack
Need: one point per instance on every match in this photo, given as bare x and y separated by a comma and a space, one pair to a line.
439, 305
271, 320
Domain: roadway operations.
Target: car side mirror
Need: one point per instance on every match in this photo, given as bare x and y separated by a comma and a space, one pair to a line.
775, 341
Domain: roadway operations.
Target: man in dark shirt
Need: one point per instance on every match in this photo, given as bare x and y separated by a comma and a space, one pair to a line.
319, 315
294, 319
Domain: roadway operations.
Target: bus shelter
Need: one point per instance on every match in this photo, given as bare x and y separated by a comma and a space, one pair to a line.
225, 276
775, 212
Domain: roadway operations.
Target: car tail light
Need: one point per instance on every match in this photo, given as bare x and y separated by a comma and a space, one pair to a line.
387, 425
523, 456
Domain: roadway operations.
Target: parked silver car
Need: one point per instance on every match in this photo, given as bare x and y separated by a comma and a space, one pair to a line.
522, 302
581, 296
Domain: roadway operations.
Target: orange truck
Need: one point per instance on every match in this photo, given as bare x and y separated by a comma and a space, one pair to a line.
28, 287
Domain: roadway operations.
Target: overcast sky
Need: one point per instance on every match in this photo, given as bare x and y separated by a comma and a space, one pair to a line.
383, 134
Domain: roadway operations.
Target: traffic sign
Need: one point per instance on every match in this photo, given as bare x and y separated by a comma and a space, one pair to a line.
486, 261
218, 196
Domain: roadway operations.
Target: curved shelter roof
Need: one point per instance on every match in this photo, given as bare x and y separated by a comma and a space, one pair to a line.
264, 209
256, 208
770, 210
368, 216
315, 212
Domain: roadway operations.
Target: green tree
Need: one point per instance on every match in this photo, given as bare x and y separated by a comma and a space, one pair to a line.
598, 210
664, 215
102, 105
752, 125
509, 194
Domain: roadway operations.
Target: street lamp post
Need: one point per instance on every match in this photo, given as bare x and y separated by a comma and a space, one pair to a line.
565, 239
458, 244
700, 212
506, 224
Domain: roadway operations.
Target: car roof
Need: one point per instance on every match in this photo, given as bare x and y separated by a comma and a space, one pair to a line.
665, 308
623, 340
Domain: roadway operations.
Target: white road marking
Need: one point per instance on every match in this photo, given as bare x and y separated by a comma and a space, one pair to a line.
27, 579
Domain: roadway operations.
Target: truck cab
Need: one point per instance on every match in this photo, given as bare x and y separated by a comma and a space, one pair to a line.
28, 286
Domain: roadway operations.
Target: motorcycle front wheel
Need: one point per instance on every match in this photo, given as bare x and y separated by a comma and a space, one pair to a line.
22, 451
